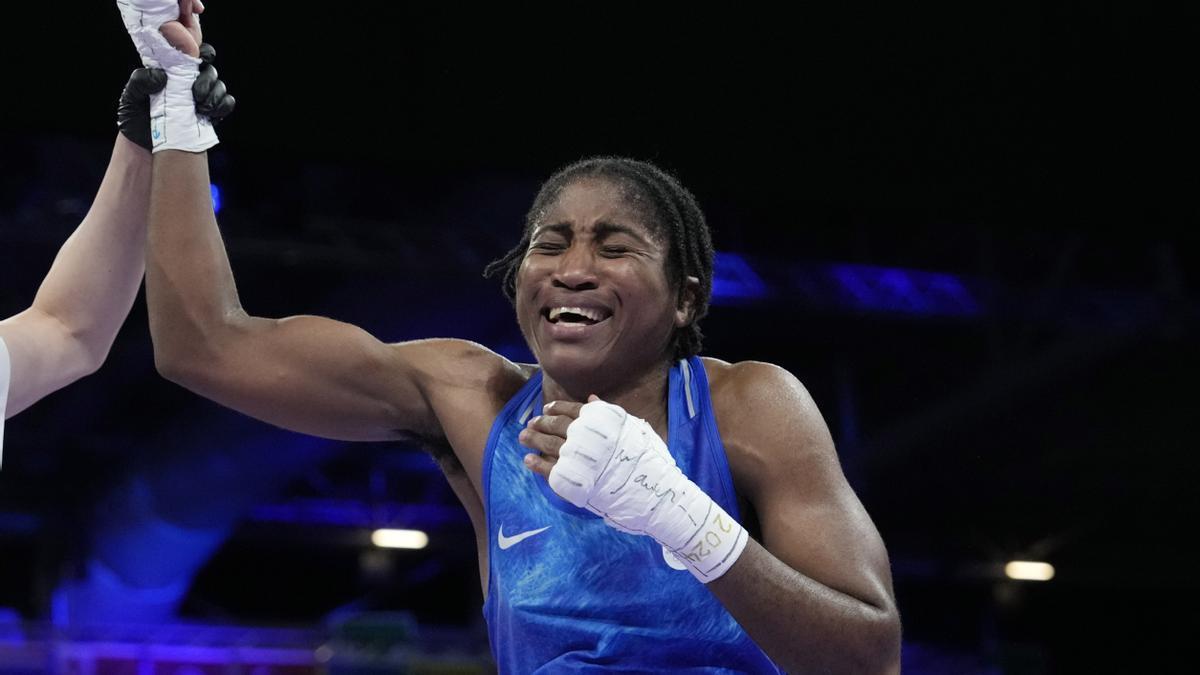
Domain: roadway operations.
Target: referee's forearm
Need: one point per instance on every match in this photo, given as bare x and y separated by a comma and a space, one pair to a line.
97, 272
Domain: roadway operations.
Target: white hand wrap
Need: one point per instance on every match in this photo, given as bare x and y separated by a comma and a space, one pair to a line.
615, 465
174, 124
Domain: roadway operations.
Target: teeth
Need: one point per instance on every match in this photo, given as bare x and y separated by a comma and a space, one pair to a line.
592, 314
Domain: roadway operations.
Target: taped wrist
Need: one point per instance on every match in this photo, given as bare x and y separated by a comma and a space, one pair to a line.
174, 124
616, 466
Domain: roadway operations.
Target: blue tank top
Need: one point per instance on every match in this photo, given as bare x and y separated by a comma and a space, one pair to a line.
567, 593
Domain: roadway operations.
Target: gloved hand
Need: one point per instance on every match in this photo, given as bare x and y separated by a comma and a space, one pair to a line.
212, 100
174, 123
133, 109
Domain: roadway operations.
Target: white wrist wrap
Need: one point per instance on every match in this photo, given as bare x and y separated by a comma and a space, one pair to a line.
616, 466
174, 124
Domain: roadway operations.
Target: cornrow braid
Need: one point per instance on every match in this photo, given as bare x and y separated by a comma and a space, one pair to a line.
671, 212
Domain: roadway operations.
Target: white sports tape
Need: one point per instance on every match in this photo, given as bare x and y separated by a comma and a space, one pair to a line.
174, 124
616, 466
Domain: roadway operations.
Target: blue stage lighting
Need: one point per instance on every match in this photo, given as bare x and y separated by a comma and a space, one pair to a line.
734, 281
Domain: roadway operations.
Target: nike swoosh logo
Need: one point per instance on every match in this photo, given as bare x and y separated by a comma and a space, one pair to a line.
509, 542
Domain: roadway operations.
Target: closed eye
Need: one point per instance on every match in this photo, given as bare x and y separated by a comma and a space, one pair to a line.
614, 250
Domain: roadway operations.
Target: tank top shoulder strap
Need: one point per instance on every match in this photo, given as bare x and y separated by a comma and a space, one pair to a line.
518, 409
694, 438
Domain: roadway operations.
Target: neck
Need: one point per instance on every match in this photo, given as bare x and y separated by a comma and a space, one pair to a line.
644, 396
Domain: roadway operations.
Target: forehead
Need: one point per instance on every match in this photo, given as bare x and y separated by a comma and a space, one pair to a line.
584, 203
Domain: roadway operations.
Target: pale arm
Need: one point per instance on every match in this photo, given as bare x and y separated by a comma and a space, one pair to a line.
67, 331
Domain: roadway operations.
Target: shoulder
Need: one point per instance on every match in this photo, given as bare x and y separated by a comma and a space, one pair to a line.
767, 420
450, 363
464, 385
750, 389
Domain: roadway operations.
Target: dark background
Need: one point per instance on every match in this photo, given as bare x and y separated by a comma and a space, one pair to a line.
1038, 161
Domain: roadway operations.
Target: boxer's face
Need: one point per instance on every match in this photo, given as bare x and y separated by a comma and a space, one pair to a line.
592, 291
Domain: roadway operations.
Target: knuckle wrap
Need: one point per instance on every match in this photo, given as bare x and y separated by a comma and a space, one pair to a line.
616, 466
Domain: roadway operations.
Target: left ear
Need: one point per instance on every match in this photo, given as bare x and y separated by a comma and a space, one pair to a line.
686, 302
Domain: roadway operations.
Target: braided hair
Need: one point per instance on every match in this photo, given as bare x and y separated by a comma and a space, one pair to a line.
671, 212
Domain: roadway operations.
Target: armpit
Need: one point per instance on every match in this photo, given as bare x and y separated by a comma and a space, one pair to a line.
438, 448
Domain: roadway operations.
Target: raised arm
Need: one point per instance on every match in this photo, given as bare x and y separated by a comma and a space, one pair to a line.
304, 373
67, 331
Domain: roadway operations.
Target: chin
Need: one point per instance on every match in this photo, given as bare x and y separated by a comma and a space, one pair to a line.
571, 365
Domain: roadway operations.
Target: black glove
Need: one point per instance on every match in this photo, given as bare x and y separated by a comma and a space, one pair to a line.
212, 101
133, 110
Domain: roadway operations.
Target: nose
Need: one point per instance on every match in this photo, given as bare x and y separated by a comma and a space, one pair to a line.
576, 269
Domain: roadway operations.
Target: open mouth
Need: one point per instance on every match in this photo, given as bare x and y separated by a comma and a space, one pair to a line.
575, 316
